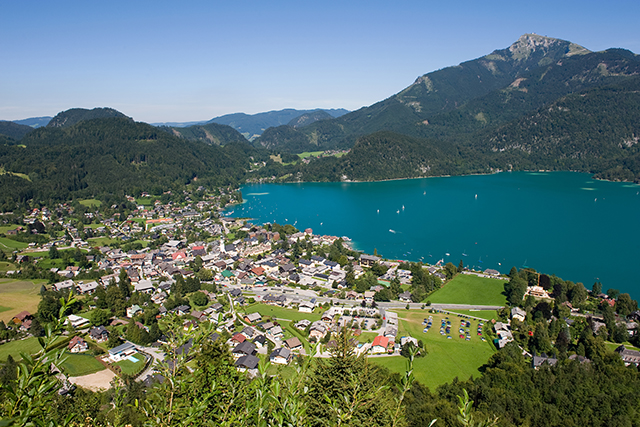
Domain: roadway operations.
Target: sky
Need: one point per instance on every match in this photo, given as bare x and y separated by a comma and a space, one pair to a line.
169, 61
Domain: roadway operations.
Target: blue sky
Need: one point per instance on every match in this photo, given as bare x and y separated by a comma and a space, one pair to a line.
164, 61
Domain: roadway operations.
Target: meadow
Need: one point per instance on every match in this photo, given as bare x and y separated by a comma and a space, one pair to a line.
446, 359
470, 289
281, 313
19, 295
91, 202
12, 245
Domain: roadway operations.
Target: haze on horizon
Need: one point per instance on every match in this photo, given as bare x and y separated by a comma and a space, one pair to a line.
164, 62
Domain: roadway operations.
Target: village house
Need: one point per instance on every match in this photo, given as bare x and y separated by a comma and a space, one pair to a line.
281, 356
122, 352
77, 345
77, 321
293, 344
628, 356
379, 345
248, 363
518, 313
253, 318
99, 334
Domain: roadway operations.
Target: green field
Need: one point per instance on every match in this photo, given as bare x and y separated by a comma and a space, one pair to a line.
483, 314
6, 266
19, 295
6, 243
281, 313
469, 289
309, 154
13, 348
100, 241
446, 358
612, 346
91, 202
78, 365
130, 368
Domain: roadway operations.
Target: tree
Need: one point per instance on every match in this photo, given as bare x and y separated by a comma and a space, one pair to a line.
596, 289
124, 284
613, 293
53, 252
199, 299
625, 305
450, 270
578, 295
100, 317
460, 267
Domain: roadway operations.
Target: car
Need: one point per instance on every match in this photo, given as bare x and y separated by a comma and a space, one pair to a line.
461, 335
448, 337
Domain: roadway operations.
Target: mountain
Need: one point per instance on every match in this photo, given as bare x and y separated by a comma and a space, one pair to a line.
435, 93
13, 129
34, 122
211, 133
75, 115
476, 112
308, 118
252, 125
110, 157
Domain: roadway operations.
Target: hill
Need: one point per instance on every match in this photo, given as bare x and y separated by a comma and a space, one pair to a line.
308, 118
211, 133
112, 157
439, 91
75, 115
34, 122
14, 130
252, 125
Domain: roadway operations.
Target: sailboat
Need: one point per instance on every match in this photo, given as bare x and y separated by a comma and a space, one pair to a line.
464, 253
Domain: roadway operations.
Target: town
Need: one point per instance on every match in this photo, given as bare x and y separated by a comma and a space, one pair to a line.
269, 292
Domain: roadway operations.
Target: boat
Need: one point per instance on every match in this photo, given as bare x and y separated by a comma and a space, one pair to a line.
464, 253
447, 253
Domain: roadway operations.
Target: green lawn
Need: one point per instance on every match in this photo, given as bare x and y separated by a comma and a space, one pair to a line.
469, 289
612, 346
14, 348
483, 314
130, 368
19, 295
367, 337
6, 266
78, 365
91, 202
281, 313
145, 201
6, 243
446, 358
100, 241
310, 153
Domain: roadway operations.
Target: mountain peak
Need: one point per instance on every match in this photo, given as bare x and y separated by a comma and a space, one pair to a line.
71, 117
530, 43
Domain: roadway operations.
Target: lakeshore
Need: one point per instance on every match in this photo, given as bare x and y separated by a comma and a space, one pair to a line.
561, 222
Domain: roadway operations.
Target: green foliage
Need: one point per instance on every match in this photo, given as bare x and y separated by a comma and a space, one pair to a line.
210, 133
27, 399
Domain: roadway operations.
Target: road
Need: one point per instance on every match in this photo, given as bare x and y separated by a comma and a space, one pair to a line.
308, 294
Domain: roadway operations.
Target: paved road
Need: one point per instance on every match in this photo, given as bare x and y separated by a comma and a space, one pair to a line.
308, 294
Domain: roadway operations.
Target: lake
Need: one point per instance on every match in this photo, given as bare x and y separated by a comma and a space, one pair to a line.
561, 223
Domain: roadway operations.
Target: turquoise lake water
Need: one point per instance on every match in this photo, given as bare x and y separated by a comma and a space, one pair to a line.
561, 223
